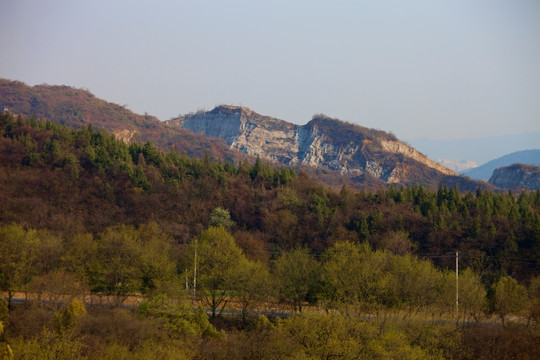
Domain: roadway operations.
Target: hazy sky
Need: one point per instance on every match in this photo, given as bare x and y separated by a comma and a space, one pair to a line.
438, 69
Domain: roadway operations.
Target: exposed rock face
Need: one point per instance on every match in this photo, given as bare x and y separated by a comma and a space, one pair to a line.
323, 143
331, 151
484, 172
517, 176
125, 135
398, 147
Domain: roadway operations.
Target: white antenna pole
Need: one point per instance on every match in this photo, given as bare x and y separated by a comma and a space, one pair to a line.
457, 286
195, 271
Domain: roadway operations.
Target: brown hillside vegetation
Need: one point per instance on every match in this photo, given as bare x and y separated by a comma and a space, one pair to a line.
72, 181
347, 275
78, 107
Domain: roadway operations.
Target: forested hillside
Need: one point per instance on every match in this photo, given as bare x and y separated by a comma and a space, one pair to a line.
73, 181
79, 107
331, 151
82, 213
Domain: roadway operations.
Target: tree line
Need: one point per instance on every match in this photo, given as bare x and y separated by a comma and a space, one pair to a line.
84, 213
350, 301
213, 269
83, 181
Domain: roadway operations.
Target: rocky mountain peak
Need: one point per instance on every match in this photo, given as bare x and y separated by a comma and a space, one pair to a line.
231, 110
516, 176
323, 142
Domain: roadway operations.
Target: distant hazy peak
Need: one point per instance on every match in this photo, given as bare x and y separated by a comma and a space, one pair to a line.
485, 171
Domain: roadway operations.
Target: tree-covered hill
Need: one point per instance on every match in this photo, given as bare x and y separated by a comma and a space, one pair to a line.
357, 158
75, 181
86, 219
79, 107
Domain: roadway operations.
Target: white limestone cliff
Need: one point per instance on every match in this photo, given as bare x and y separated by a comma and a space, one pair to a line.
517, 176
290, 144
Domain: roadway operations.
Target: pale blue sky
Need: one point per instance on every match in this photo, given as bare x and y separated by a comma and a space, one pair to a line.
436, 69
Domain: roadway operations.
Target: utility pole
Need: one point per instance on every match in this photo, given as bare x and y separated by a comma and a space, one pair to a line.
195, 272
457, 286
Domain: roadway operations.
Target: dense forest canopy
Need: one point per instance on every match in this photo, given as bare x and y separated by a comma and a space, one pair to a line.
85, 213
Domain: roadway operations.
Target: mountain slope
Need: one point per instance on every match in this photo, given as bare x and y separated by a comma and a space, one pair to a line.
84, 181
484, 172
77, 107
330, 150
517, 176
323, 143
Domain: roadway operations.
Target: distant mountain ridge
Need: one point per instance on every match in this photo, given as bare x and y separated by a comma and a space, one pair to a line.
478, 150
323, 142
485, 171
77, 107
332, 151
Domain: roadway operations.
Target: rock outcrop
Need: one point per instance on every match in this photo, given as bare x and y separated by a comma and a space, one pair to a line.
484, 172
125, 135
322, 143
517, 177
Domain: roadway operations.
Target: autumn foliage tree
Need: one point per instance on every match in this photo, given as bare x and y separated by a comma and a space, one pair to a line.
218, 258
